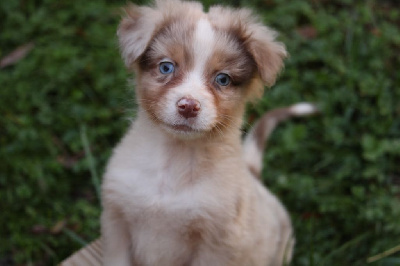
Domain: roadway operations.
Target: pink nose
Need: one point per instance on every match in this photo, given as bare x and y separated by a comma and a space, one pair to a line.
188, 107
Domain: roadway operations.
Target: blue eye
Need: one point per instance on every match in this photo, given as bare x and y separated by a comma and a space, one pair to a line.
166, 68
223, 79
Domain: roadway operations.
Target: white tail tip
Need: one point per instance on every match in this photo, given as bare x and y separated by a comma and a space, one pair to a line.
300, 109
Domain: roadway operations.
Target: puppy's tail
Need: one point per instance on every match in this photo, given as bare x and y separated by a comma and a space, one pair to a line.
255, 141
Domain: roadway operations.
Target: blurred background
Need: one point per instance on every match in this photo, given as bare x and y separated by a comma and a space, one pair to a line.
65, 102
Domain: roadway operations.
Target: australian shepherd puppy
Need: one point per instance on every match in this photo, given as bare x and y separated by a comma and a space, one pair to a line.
181, 188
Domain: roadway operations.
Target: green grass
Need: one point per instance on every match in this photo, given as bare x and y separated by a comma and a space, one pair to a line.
65, 105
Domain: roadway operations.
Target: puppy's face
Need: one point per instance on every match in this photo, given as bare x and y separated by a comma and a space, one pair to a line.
192, 77
194, 70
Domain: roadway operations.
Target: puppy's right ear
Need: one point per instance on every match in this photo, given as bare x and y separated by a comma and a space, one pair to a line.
136, 31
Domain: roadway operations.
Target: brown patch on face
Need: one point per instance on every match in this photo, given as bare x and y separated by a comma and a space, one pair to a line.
140, 24
229, 57
258, 39
172, 43
152, 90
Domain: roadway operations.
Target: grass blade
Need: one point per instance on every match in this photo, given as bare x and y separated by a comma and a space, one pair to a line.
74, 236
90, 161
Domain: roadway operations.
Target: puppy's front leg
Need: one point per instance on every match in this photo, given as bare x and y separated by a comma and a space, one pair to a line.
116, 239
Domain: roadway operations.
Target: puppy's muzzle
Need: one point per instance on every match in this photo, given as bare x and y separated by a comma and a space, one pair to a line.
188, 107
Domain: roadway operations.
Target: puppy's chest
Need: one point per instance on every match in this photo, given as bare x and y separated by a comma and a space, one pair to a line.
167, 192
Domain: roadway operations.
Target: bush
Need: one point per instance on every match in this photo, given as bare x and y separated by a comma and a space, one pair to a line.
63, 108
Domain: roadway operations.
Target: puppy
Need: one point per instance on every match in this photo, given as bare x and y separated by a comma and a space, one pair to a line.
180, 188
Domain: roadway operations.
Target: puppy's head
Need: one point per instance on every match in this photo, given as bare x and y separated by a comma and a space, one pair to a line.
195, 70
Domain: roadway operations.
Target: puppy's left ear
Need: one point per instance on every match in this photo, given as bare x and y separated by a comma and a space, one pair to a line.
259, 40
136, 31
266, 51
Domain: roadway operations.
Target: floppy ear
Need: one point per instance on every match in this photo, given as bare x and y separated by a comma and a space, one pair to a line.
266, 51
258, 39
136, 31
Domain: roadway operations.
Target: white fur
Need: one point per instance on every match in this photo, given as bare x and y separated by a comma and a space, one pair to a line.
194, 84
301, 109
203, 44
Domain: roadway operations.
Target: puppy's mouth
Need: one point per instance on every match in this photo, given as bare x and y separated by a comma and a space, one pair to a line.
182, 128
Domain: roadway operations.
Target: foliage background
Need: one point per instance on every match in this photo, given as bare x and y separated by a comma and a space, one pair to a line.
65, 105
